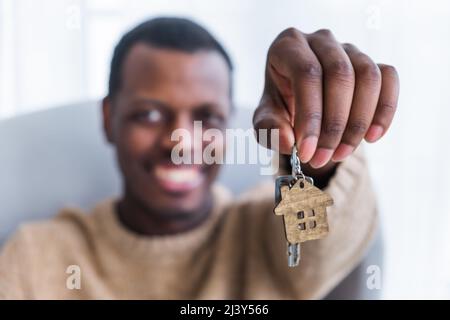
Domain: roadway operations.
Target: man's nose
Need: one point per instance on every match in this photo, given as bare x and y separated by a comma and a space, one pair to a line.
180, 130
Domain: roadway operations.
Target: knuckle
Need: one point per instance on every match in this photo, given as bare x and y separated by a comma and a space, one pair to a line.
349, 46
390, 71
369, 72
313, 118
358, 127
275, 47
282, 46
341, 69
324, 32
290, 32
310, 70
334, 128
387, 109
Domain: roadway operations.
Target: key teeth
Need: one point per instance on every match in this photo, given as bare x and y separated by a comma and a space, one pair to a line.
293, 251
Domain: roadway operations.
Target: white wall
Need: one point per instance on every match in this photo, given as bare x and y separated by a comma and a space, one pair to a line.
57, 51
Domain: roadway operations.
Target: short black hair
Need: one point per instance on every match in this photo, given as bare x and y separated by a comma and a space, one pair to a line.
168, 33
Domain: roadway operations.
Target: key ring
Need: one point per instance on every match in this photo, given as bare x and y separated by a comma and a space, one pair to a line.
295, 164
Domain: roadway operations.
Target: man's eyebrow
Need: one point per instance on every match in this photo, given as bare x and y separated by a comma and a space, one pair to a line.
212, 107
149, 101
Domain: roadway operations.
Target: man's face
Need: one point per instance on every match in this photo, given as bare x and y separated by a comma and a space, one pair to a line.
163, 90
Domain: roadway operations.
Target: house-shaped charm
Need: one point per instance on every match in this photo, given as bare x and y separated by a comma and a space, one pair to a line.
303, 207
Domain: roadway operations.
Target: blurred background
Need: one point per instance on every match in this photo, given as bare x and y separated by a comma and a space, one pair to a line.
57, 52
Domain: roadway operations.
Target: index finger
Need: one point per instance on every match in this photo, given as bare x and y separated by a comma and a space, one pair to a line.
296, 61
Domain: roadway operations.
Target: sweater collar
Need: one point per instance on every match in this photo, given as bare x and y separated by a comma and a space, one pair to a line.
131, 243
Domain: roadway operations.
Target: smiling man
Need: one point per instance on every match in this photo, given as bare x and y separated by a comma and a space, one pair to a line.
174, 233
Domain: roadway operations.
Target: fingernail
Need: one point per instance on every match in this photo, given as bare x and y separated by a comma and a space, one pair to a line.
321, 157
307, 148
374, 133
342, 152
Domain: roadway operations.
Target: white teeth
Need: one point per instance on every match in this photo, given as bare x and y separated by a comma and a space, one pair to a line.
178, 175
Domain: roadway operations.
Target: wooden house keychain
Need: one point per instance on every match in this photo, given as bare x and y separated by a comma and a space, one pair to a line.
303, 207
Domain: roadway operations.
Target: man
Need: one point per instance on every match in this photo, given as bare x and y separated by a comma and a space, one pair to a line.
174, 233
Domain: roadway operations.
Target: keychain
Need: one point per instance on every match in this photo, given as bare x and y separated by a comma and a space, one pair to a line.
303, 207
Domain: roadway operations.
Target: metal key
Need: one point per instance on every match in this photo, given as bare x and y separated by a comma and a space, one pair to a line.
303, 209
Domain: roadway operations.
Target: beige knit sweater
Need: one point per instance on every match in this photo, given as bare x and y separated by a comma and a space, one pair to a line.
239, 252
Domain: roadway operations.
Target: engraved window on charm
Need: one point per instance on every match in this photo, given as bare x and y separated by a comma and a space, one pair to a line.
306, 223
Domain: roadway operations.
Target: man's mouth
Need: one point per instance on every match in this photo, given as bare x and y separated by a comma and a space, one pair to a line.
178, 179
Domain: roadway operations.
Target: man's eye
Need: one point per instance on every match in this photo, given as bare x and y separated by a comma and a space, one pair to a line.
150, 116
210, 118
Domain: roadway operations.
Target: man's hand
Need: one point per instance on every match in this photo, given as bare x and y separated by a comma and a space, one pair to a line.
324, 96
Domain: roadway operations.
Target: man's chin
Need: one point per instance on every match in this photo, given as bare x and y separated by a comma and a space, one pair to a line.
179, 203
180, 211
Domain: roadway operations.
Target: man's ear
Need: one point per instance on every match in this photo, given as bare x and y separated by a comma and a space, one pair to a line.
107, 119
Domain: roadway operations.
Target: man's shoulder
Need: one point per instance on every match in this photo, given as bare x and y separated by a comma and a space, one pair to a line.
70, 228
260, 197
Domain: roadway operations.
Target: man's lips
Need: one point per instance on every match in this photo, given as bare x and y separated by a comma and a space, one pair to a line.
178, 179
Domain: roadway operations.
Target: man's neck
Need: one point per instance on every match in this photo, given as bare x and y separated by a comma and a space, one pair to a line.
141, 220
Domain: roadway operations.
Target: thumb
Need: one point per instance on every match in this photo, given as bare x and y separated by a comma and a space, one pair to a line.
271, 115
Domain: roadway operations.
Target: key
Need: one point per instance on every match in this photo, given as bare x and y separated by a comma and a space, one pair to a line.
303, 208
